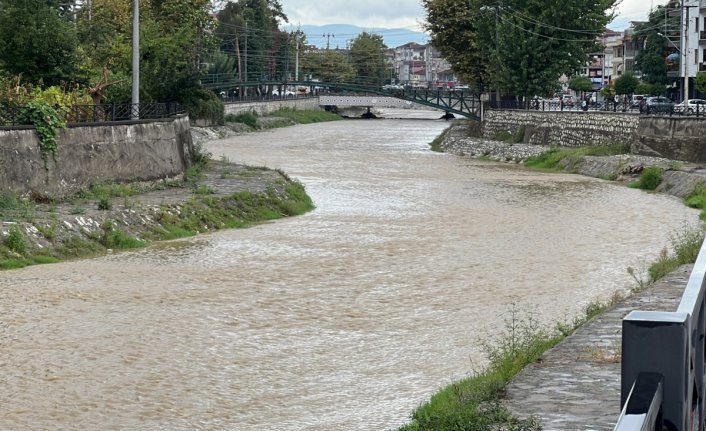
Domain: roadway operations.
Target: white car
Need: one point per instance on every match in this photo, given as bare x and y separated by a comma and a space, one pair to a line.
694, 107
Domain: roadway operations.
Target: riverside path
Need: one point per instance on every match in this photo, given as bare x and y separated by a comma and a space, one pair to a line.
576, 385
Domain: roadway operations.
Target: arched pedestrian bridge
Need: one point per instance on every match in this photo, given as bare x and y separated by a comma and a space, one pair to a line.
459, 102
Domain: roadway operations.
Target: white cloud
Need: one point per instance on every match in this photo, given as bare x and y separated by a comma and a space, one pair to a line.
409, 13
633, 10
363, 13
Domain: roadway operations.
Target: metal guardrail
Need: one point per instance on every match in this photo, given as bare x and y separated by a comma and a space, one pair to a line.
624, 107
13, 115
671, 345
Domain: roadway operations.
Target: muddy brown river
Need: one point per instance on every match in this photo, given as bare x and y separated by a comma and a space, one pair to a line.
345, 318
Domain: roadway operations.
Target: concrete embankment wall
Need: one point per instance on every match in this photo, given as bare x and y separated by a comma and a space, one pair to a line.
94, 153
266, 107
677, 138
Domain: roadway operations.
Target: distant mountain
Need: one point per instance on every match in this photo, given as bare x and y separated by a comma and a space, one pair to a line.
340, 35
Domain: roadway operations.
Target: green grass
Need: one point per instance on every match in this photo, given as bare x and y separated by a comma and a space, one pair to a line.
436, 144
686, 245
650, 178
697, 199
514, 138
305, 116
557, 158
474, 403
247, 118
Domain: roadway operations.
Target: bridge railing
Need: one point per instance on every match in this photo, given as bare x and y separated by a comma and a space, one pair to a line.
671, 346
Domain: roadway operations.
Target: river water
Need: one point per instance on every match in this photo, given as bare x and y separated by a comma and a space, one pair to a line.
345, 318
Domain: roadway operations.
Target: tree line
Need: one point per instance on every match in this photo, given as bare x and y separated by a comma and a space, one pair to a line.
84, 48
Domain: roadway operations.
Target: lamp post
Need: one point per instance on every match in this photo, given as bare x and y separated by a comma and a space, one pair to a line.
135, 109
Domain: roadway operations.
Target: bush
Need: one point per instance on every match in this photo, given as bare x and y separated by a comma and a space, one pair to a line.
248, 118
204, 104
16, 241
650, 178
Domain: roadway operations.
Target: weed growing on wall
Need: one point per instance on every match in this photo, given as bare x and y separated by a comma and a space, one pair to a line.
47, 122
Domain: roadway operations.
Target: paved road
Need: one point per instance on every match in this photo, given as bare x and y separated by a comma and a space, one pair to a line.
576, 385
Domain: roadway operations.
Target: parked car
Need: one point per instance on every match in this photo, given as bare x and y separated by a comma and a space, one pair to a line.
568, 100
695, 106
658, 105
636, 100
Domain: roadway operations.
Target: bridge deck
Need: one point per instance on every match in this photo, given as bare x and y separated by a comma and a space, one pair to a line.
576, 385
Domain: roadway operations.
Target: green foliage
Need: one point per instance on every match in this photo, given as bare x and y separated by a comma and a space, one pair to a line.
368, 58
247, 118
508, 136
117, 239
626, 84
650, 60
47, 122
650, 178
305, 116
104, 204
260, 19
686, 245
328, 66
204, 104
556, 158
581, 83
473, 404
37, 43
700, 82
15, 241
697, 199
520, 47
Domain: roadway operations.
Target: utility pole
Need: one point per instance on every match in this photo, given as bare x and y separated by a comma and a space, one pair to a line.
296, 61
685, 51
328, 36
135, 110
245, 66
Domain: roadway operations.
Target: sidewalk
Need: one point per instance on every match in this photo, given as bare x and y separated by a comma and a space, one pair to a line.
576, 385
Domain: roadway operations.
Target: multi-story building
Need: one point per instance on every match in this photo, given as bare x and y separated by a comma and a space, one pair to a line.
692, 42
421, 66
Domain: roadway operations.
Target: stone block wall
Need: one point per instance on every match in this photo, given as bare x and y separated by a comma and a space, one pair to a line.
266, 107
569, 129
94, 153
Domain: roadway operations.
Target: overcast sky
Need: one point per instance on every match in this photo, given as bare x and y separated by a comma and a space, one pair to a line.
372, 14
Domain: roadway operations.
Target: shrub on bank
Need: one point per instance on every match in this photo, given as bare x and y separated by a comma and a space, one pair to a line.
650, 178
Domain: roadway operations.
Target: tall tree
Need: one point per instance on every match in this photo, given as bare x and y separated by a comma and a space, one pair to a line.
249, 29
651, 60
521, 46
37, 42
368, 58
328, 66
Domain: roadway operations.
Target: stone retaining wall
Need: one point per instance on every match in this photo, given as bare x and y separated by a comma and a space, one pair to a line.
675, 138
91, 153
569, 129
265, 107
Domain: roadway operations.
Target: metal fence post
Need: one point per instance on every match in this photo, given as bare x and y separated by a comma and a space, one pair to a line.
658, 342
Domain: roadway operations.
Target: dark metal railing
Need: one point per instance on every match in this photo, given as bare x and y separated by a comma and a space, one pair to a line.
555, 105
671, 345
14, 115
